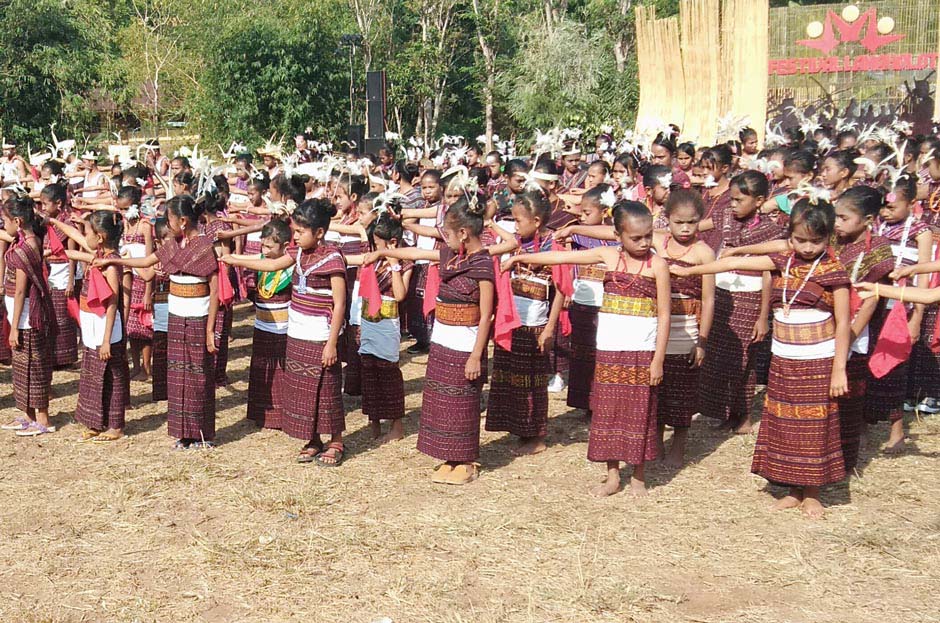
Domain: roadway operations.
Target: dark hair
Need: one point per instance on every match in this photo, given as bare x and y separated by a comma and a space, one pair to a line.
844, 134
290, 187
629, 209
602, 164
482, 175
186, 178
819, 218
260, 184
794, 136
536, 204
747, 133
407, 170
244, 157
515, 166
109, 225
183, 160
685, 197
160, 228
687, 148
433, 174
221, 184
719, 155
668, 143
801, 160
24, 208
314, 214
211, 201
184, 206
864, 200
751, 183
652, 174
933, 145
277, 230
498, 155
463, 214
55, 167
384, 227
56, 193
907, 186
879, 152
547, 165
130, 193
845, 158
594, 195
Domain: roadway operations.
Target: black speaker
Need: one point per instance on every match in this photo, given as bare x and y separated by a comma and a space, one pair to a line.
356, 137
375, 104
373, 145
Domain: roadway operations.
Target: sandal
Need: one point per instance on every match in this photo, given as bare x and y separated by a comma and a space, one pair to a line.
309, 452
442, 473
89, 434
202, 445
106, 437
181, 444
337, 451
18, 423
34, 430
463, 474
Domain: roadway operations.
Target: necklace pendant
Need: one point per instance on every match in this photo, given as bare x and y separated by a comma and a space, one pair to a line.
786, 310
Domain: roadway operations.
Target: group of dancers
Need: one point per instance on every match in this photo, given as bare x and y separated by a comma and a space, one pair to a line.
651, 282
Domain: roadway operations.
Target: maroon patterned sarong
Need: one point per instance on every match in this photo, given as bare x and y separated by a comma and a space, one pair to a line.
190, 382
623, 408
852, 408
311, 395
518, 401
678, 393
137, 330
32, 370
450, 408
418, 325
222, 331
265, 378
352, 372
158, 367
383, 389
103, 389
583, 352
66, 339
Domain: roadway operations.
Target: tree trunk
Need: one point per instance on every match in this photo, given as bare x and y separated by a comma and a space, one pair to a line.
488, 91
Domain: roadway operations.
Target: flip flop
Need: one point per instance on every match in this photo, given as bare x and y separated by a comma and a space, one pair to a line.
441, 473
88, 434
106, 437
34, 430
338, 452
18, 423
463, 474
309, 453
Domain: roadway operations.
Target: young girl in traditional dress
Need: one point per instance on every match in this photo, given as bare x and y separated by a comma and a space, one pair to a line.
311, 396
220, 231
799, 444
450, 409
31, 316
383, 389
657, 183
692, 311
433, 193
911, 243
137, 243
867, 258
190, 261
103, 388
62, 272
742, 307
160, 286
596, 206
632, 331
518, 401
716, 163
269, 342
837, 172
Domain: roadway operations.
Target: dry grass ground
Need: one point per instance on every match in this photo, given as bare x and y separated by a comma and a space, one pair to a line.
134, 532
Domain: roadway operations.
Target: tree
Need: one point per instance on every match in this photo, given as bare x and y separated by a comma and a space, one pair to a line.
271, 72
51, 55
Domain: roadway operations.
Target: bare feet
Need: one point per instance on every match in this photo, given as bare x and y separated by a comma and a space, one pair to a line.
745, 428
792, 500
612, 483
638, 488
811, 506
529, 446
895, 444
676, 456
375, 427
395, 432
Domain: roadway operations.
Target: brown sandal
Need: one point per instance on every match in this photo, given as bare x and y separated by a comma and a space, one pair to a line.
463, 474
309, 452
107, 437
337, 451
441, 473
88, 434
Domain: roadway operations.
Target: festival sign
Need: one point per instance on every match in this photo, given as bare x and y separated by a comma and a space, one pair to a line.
867, 62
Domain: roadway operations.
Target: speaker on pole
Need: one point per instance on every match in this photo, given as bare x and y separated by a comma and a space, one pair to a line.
356, 136
375, 105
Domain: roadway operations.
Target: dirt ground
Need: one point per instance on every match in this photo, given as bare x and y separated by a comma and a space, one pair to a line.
135, 532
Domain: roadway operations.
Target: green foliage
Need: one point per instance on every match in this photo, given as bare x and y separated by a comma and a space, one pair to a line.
51, 57
264, 74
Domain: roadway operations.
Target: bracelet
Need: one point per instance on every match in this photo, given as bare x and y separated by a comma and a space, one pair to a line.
877, 293
902, 292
